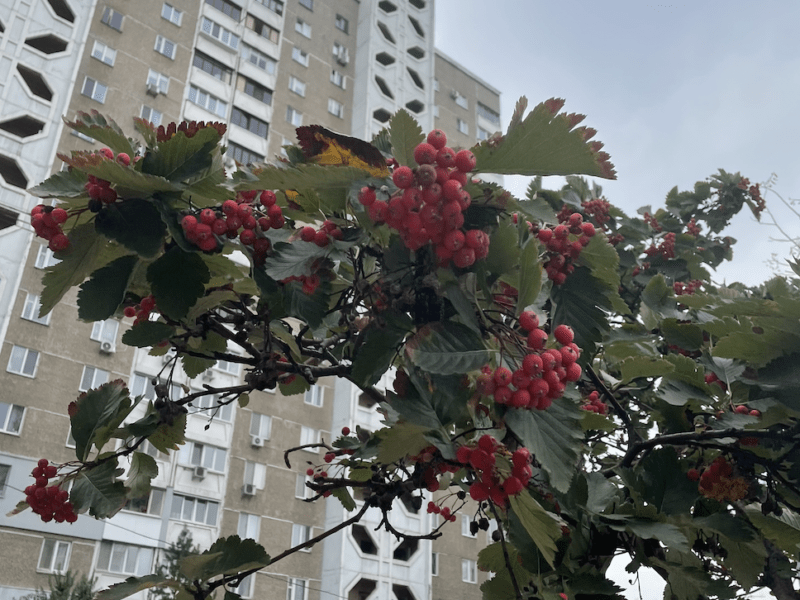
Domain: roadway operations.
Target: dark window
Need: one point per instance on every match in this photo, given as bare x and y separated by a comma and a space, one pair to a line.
35, 82
249, 122
342, 24
384, 87
62, 9
309, 4
257, 91
416, 78
386, 33
242, 155
24, 126
488, 114
49, 44
112, 18
211, 66
262, 29
417, 27
227, 8
275, 6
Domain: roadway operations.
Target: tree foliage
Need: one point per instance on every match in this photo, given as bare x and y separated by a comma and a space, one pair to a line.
664, 423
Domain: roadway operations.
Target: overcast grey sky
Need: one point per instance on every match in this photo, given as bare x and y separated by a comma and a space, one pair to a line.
675, 91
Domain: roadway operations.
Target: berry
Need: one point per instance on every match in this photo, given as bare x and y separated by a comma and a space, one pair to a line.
403, 177
446, 158
367, 196
345, 430
308, 233
437, 139
564, 334
528, 320
465, 161
742, 410
425, 154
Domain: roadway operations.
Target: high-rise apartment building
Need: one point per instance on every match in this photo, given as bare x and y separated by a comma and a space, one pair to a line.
264, 67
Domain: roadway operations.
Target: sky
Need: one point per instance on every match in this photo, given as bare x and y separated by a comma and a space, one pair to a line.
675, 91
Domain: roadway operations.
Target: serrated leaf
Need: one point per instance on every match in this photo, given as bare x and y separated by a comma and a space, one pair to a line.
578, 304
643, 366
536, 209
168, 436
446, 348
345, 498
553, 436
663, 483
293, 260
504, 251
101, 129
401, 440
375, 355
784, 531
592, 421
87, 252
63, 184
308, 308
147, 333
132, 585
177, 280
684, 335
745, 560
96, 413
180, 157
464, 303
539, 524
98, 490
142, 471
544, 143
210, 301
195, 365
226, 556
603, 261
136, 224
305, 177
530, 276
101, 295
128, 182
405, 134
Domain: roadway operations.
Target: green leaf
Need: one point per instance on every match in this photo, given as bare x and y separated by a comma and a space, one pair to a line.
600, 492
310, 309
132, 585
136, 224
745, 560
381, 344
147, 333
101, 295
63, 184
446, 348
294, 260
401, 440
530, 276
643, 366
592, 421
98, 490
180, 157
194, 365
784, 531
345, 498
684, 335
544, 143
305, 177
226, 556
666, 533
536, 209
603, 261
504, 251
168, 436
405, 134
539, 524
96, 414
463, 302
128, 182
87, 252
663, 484
143, 470
177, 279
579, 303
103, 130
553, 436
210, 301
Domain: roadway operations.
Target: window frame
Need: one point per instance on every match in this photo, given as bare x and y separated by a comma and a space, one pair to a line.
338, 106
275, 6
462, 126
109, 16
260, 28
307, 433
54, 556
95, 372
301, 490
294, 116
96, 87
208, 405
105, 52
148, 113
293, 585
196, 503
314, 396
300, 56
247, 523
5, 471
160, 80
166, 7
31, 307
308, 4
434, 564
342, 24
465, 524
469, 571
224, 71
270, 64
297, 85
249, 123
203, 460
301, 534
223, 35
235, 11
162, 46
198, 93
99, 331
153, 506
235, 149
126, 548
260, 418
259, 92
488, 113
302, 27
22, 372
45, 257
338, 79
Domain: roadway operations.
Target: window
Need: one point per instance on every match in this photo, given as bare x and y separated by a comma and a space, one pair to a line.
94, 89
55, 556
70, 443
211, 66
436, 110
337, 78
203, 455
309, 4
171, 14
301, 490
207, 101
488, 114
245, 588
336, 108
142, 385
11, 416
465, 526
243, 155
149, 504
300, 535
45, 258
218, 32
227, 8
249, 122
259, 59
195, 510
249, 526
302, 28
231, 368
159, 80
294, 117
462, 126
255, 474
4, 472
92, 378
299, 56
434, 563
483, 134
103, 53
313, 396
105, 331
262, 29
126, 559
152, 115
112, 18
165, 47
275, 6
469, 571
297, 86
297, 587
31, 310
342, 24
257, 91
435, 85
260, 425
308, 435
210, 406
461, 100
23, 361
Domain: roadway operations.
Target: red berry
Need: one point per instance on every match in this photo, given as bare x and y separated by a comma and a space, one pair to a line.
424, 154
108, 153
129, 311
465, 161
693, 474
59, 215
478, 492
588, 230
446, 158
742, 409
755, 413
230, 207
564, 334
367, 196
58, 242
345, 430
464, 258
308, 233
528, 320
268, 198
536, 339
403, 177
502, 376
437, 139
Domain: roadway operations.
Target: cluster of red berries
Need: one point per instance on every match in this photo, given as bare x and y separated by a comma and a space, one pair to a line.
141, 312
247, 217
310, 283
322, 236
718, 482
690, 288
99, 190
429, 206
597, 210
47, 222
741, 409
593, 404
490, 482
666, 249
652, 222
51, 503
543, 374
712, 378
564, 244
190, 128
445, 511
755, 194
430, 456
693, 228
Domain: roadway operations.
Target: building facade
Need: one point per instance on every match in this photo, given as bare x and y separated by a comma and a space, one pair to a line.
264, 67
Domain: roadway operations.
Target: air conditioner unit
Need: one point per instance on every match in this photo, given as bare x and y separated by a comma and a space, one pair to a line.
199, 473
107, 348
256, 441
152, 89
249, 489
